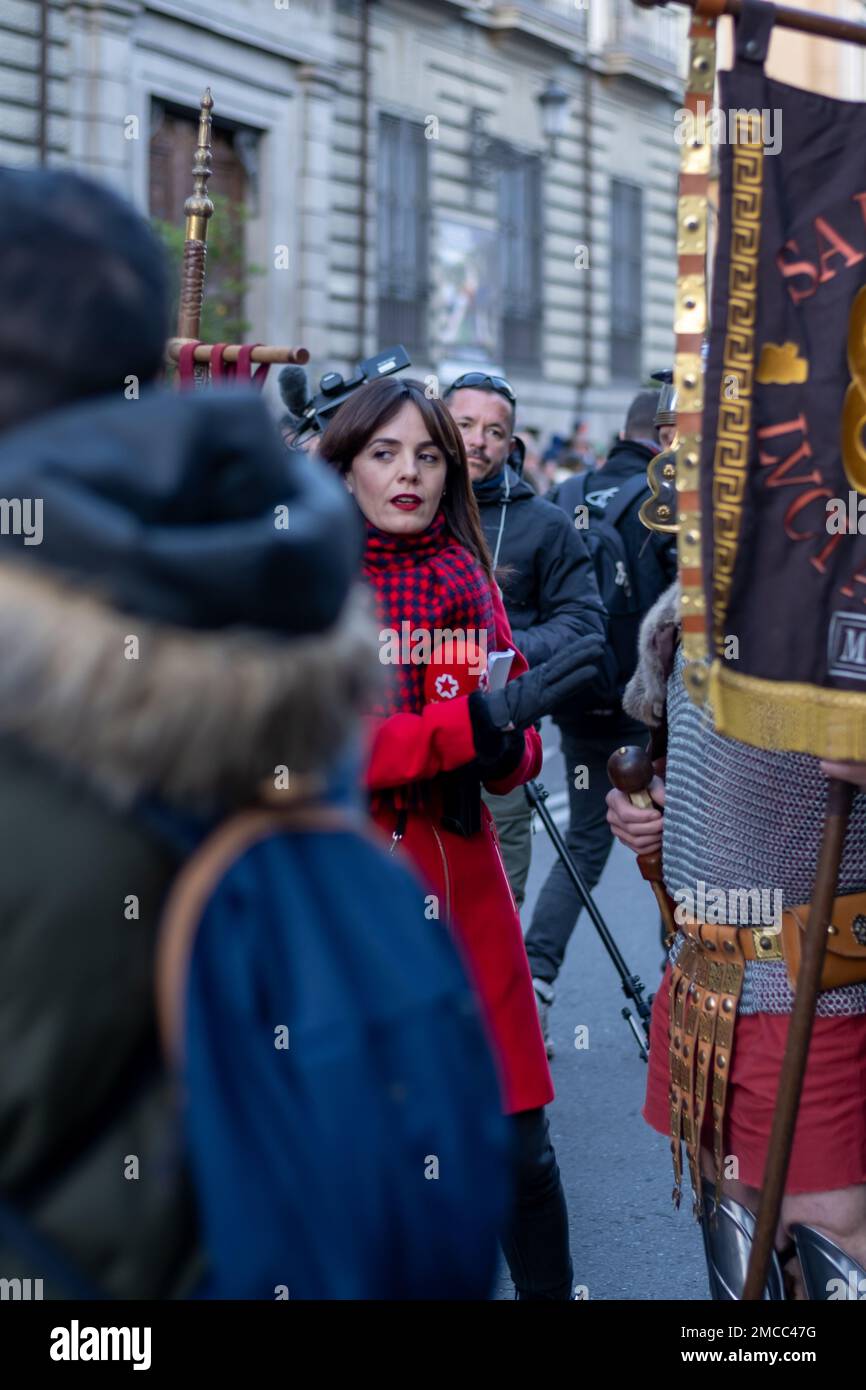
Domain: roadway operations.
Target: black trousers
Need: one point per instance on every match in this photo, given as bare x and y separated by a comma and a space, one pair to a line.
536, 1243
588, 838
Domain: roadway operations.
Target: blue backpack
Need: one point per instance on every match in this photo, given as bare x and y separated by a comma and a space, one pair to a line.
343, 1116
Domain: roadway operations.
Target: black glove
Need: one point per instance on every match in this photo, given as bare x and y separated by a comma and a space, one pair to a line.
525, 700
498, 753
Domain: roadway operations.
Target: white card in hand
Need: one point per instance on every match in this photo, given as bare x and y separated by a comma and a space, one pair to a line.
498, 667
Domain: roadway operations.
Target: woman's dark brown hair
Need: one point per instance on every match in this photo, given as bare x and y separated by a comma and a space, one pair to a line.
371, 407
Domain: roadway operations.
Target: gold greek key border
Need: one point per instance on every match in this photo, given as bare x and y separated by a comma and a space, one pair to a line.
731, 457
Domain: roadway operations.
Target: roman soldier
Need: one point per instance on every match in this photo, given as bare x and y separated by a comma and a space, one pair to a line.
753, 665
666, 414
732, 817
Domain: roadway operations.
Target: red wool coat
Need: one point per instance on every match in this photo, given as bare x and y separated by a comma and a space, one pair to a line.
468, 875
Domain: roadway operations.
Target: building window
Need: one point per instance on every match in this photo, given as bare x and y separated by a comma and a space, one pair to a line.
520, 219
173, 141
402, 220
626, 287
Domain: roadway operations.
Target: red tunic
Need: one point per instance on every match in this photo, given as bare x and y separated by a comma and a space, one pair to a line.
467, 874
830, 1137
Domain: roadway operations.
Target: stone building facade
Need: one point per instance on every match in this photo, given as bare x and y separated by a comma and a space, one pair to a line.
393, 161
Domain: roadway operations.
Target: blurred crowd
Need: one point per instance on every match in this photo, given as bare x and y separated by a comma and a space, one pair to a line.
550, 458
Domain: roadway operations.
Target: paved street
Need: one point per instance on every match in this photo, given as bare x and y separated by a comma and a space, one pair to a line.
627, 1241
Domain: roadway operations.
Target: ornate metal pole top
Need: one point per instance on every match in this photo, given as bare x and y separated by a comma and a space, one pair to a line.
198, 207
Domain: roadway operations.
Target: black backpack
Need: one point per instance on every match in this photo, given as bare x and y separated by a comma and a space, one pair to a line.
617, 584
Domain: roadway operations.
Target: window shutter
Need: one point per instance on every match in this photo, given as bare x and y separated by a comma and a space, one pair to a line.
402, 236
520, 217
626, 280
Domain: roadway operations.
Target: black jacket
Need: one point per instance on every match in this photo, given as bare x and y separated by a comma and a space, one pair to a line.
543, 567
652, 556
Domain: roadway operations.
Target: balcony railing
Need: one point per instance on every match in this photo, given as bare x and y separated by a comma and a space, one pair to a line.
642, 43
534, 15
568, 9
655, 37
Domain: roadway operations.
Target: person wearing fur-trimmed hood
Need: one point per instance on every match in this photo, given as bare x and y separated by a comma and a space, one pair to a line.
155, 659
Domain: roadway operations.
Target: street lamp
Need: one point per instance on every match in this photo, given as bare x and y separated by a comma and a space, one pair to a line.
554, 102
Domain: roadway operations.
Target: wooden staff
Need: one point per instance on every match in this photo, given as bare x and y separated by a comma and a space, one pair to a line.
631, 771
297, 356
199, 210
839, 797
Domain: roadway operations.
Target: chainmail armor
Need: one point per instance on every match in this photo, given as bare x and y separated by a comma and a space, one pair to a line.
737, 818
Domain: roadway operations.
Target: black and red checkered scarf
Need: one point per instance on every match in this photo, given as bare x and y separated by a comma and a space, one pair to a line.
431, 581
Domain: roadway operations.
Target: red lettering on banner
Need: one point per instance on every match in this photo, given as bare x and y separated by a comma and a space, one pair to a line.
779, 469
787, 427
778, 476
797, 268
797, 506
858, 579
838, 247
820, 561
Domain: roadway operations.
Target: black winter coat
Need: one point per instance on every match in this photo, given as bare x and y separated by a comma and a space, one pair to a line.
652, 556
543, 567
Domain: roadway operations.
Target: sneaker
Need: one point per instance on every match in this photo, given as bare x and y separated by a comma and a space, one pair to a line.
544, 997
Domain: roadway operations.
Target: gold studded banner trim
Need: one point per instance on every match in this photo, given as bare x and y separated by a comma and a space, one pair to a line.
690, 326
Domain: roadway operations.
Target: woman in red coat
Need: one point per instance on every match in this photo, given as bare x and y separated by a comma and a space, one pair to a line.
428, 565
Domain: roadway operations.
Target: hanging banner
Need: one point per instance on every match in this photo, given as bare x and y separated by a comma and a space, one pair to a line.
781, 534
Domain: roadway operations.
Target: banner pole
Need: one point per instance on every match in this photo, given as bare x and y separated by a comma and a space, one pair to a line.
839, 798
805, 21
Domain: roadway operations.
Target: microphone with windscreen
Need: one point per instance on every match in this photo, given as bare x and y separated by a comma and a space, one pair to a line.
312, 416
294, 392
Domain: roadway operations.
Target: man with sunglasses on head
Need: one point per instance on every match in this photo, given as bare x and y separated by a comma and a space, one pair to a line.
542, 563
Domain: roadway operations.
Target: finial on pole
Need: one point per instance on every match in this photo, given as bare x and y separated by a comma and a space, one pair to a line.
198, 209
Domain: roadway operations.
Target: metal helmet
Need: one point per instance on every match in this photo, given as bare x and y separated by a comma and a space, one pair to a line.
666, 412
